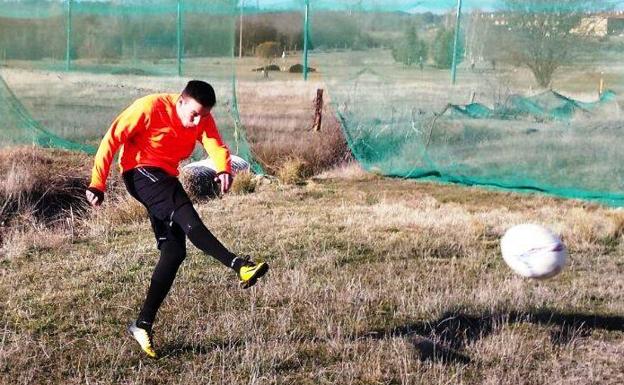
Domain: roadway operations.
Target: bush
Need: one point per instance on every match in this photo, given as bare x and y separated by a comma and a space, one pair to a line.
244, 183
442, 49
319, 151
298, 69
268, 50
270, 67
42, 183
411, 49
294, 171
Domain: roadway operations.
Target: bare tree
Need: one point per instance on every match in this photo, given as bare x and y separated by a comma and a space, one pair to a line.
269, 50
540, 33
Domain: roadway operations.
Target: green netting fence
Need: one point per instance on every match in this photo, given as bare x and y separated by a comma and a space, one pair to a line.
516, 94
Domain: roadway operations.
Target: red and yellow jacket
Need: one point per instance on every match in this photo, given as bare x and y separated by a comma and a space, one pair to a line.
152, 135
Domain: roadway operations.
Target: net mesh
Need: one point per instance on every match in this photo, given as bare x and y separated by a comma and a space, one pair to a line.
514, 94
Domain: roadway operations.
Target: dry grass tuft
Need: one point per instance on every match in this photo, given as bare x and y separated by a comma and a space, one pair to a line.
44, 188
279, 128
34, 236
244, 183
319, 150
42, 182
198, 186
294, 171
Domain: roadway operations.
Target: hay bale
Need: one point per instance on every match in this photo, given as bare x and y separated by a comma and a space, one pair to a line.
298, 69
271, 67
198, 177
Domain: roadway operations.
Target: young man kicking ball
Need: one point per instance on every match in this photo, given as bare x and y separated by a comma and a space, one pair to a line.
155, 133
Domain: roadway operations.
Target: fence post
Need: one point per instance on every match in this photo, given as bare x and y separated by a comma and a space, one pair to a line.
456, 43
68, 28
240, 30
179, 35
318, 110
306, 28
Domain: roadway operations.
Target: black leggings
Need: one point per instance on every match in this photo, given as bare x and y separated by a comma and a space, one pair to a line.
173, 252
173, 219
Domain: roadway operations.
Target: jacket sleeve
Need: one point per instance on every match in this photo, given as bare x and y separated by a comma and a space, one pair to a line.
130, 121
215, 147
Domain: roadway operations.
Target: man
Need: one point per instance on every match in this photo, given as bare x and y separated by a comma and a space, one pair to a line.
155, 133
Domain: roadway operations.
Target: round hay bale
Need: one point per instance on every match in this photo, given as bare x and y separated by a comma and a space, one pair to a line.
272, 67
298, 69
198, 177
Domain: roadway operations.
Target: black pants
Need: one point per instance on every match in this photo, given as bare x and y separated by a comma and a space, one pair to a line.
173, 219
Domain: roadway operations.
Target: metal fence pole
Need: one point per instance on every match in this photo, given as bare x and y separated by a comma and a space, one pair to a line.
240, 32
306, 29
180, 42
69, 34
456, 43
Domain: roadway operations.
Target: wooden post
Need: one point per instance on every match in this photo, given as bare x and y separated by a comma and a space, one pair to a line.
601, 84
318, 110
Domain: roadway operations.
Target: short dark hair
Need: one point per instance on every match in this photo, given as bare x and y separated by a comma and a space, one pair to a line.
202, 92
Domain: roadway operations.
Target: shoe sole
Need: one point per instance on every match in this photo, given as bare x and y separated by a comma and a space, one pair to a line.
259, 273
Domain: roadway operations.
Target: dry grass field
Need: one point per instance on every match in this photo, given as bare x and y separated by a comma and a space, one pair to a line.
373, 280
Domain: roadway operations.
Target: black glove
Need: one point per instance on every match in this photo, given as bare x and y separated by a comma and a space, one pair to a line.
225, 187
98, 194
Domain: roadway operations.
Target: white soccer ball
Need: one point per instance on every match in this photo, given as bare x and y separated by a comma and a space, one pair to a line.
533, 251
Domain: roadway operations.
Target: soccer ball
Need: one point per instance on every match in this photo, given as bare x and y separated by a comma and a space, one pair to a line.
533, 251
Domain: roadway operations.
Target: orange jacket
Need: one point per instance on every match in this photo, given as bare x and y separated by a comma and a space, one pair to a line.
152, 135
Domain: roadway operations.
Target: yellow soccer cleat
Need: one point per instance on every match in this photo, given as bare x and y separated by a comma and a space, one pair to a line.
144, 338
250, 271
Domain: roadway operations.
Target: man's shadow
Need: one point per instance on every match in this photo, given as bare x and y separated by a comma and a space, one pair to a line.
444, 339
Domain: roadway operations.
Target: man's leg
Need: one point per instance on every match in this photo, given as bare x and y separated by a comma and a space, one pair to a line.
189, 221
172, 253
166, 200
172, 244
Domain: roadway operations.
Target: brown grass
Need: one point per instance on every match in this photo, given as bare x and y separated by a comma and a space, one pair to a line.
294, 171
373, 280
244, 183
279, 128
44, 183
44, 189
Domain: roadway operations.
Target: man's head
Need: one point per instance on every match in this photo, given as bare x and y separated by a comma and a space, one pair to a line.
196, 101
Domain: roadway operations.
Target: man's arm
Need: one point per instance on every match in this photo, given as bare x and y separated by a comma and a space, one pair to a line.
218, 152
131, 120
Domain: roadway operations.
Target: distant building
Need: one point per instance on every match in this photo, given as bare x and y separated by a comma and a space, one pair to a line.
598, 25
601, 25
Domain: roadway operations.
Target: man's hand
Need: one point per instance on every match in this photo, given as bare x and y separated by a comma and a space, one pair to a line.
94, 196
225, 180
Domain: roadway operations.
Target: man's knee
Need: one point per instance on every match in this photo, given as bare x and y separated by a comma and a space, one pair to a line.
187, 218
170, 232
173, 251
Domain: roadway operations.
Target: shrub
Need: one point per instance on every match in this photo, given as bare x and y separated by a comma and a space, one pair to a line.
410, 50
442, 49
268, 50
294, 171
42, 182
244, 183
